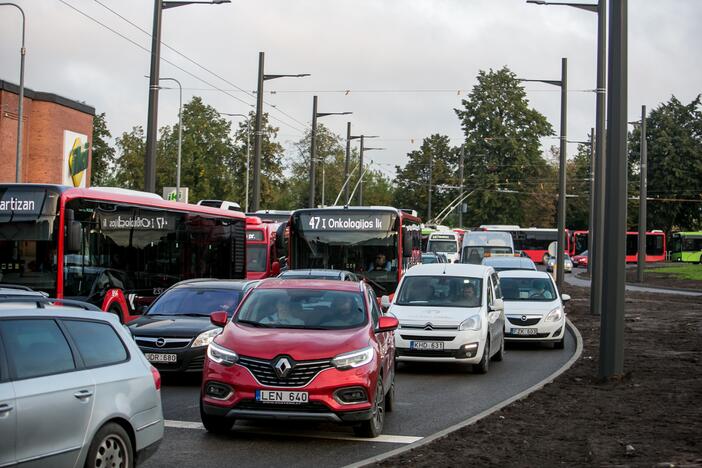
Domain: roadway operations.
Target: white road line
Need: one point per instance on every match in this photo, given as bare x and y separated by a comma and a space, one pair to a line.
390, 439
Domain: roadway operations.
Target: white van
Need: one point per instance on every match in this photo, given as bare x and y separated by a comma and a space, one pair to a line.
445, 242
480, 244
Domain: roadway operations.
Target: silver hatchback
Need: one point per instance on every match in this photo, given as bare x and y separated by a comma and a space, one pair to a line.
75, 390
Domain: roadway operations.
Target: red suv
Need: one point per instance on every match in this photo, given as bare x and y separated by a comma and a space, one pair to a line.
302, 350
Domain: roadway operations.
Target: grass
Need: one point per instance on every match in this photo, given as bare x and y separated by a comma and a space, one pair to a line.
686, 271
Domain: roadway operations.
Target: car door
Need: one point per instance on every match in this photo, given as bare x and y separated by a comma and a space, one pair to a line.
53, 394
492, 317
8, 414
385, 339
500, 329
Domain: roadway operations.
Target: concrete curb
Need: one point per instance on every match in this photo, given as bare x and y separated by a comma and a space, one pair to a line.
437, 435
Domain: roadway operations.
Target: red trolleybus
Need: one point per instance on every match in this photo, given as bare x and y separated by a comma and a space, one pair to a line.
261, 252
378, 243
655, 245
117, 249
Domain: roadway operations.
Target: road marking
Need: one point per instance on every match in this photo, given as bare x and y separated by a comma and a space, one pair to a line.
390, 439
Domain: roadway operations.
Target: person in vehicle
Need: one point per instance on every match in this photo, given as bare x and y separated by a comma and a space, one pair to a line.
467, 296
345, 312
282, 314
380, 263
539, 290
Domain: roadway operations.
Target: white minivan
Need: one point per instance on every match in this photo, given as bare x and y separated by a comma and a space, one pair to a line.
447, 243
449, 313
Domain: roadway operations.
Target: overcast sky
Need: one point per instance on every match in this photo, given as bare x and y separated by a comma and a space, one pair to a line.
393, 46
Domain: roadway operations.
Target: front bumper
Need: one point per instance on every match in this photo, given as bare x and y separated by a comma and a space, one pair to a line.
545, 331
463, 346
187, 359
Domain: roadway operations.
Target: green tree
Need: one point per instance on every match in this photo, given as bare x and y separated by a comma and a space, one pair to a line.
129, 166
578, 182
674, 141
103, 155
503, 156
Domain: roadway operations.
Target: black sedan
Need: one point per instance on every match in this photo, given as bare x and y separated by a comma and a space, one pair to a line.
174, 332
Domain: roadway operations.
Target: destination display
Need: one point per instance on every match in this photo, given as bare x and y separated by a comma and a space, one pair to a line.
347, 221
21, 202
137, 222
442, 237
254, 235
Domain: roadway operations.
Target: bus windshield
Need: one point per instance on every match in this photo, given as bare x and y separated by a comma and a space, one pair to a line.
442, 246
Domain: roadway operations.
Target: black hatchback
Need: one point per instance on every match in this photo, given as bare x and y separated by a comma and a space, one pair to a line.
174, 332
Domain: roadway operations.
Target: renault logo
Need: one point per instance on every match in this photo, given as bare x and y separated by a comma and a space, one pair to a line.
160, 342
428, 327
283, 367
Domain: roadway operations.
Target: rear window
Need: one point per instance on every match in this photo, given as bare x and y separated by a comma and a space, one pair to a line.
36, 348
443, 291
303, 308
195, 302
97, 343
527, 289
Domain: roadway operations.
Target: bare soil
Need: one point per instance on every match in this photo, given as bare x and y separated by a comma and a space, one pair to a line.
651, 416
653, 279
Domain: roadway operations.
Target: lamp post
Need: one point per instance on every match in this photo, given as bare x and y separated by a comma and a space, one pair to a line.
20, 106
180, 133
152, 121
248, 154
597, 225
360, 165
258, 133
363, 173
313, 144
643, 176
563, 83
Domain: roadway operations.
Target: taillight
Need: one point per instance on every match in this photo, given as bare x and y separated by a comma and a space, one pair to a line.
157, 377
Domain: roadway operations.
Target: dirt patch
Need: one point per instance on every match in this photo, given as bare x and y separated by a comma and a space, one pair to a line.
653, 279
650, 416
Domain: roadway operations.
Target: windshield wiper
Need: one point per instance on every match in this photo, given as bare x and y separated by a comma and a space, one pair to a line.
372, 283
253, 323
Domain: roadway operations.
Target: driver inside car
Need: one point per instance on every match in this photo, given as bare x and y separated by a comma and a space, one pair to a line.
539, 290
282, 314
380, 264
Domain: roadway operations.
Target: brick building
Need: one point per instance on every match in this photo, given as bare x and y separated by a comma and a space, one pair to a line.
57, 137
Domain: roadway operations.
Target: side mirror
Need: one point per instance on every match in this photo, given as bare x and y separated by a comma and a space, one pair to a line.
385, 302
387, 323
565, 297
74, 233
275, 268
497, 304
406, 243
219, 318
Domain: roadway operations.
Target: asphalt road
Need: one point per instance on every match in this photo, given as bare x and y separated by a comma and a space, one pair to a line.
429, 398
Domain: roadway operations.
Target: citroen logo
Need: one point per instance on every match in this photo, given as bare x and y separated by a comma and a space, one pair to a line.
282, 367
524, 318
160, 342
428, 327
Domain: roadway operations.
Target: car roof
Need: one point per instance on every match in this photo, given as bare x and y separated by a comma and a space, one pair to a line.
213, 283
61, 312
275, 283
499, 261
452, 269
315, 272
524, 274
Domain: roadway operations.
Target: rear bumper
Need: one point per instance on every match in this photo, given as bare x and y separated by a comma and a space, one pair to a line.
146, 453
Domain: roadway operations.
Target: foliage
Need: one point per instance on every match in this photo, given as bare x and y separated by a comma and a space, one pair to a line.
103, 155
579, 183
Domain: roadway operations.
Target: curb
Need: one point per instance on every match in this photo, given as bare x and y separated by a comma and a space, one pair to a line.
437, 435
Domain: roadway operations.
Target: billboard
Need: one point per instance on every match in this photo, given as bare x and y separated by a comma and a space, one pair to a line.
75, 159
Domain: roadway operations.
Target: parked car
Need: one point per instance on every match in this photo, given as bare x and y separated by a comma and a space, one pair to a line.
534, 307
299, 349
176, 329
74, 390
567, 264
321, 274
449, 313
509, 263
580, 260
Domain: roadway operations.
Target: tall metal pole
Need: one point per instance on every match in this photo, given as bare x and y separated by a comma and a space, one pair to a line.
597, 232
258, 135
361, 172
562, 175
614, 251
323, 181
20, 105
642, 198
152, 121
347, 160
460, 176
431, 170
248, 161
180, 138
591, 216
313, 150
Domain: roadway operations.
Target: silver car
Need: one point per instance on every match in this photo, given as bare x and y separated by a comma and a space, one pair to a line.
74, 389
567, 264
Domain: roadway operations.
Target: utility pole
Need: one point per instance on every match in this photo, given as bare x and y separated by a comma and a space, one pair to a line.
258, 133
563, 161
361, 171
642, 198
591, 217
460, 176
347, 160
313, 149
152, 120
431, 170
614, 251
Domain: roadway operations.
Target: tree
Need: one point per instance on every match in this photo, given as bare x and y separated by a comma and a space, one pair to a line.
129, 166
578, 182
103, 155
674, 141
503, 156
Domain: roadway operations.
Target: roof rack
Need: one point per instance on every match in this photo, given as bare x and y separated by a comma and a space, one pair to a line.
41, 302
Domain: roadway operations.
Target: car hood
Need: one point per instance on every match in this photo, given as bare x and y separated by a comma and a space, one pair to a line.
530, 307
301, 345
173, 326
421, 315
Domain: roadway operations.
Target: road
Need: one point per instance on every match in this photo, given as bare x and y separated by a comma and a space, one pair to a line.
429, 398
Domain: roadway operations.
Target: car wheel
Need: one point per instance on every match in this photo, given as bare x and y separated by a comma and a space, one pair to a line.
215, 424
374, 426
111, 446
390, 398
560, 344
484, 364
500, 354
116, 310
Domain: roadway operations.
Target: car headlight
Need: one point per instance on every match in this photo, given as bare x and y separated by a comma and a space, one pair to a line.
221, 355
205, 338
555, 315
471, 323
353, 359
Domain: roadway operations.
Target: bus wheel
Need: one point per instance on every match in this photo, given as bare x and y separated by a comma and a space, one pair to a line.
117, 310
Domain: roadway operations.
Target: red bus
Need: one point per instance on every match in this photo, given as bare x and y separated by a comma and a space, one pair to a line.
261, 252
377, 243
655, 245
117, 249
533, 241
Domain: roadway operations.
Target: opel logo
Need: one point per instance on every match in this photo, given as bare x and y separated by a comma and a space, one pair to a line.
524, 318
283, 367
428, 327
160, 342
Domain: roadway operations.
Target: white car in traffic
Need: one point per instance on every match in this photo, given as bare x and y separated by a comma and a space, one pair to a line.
449, 313
534, 308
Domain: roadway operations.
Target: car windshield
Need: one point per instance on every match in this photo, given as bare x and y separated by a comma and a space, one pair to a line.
527, 289
443, 291
195, 301
443, 246
303, 308
429, 259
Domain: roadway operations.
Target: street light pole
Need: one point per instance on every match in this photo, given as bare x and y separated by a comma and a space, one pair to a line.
642, 198
613, 280
180, 133
347, 160
460, 176
591, 217
20, 105
431, 170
